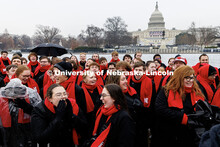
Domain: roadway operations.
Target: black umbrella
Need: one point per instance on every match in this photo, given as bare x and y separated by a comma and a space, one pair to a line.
49, 49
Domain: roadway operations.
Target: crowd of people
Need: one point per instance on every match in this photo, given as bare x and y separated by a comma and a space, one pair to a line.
136, 107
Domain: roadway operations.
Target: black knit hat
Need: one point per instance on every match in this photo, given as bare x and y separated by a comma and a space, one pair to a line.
212, 71
63, 66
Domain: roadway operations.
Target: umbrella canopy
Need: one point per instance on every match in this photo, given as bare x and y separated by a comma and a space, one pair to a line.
49, 49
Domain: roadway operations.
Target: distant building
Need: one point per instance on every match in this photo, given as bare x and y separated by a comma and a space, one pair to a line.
154, 34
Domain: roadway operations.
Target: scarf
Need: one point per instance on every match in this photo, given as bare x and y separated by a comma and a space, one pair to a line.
99, 80
156, 78
130, 90
99, 142
104, 67
202, 77
188, 89
32, 84
174, 99
112, 60
215, 100
169, 68
146, 89
90, 88
197, 66
42, 69
75, 109
2, 67
33, 64
6, 116
47, 82
69, 85
7, 59
165, 80
97, 61
6, 79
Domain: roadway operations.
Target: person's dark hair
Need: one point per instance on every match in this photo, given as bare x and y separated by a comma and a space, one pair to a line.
50, 90
102, 59
66, 59
32, 54
138, 64
90, 59
117, 94
203, 55
15, 57
113, 79
156, 60
22, 59
124, 65
177, 56
149, 62
157, 55
75, 67
4, 52
112, 63
11, 66
127, 55
94, 63
18, 54
170, 59
45, 57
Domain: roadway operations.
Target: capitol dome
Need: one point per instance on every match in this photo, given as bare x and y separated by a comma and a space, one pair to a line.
156, 19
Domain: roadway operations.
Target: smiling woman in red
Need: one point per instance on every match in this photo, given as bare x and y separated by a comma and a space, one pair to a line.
173, 104
24, 74
113, 126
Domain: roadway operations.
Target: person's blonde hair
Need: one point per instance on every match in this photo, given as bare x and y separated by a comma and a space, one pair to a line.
176, 83
20, 69
114, 53
82, 53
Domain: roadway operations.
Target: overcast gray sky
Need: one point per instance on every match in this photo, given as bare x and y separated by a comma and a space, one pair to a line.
72, 16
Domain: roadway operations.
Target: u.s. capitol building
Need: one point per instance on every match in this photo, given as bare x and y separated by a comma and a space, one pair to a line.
154, 34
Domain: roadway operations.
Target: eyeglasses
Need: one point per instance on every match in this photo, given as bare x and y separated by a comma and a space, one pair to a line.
188, 78
43, 61
60, 95
26, 76
104, 95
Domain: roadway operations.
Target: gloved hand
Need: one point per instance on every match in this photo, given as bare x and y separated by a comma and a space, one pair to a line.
60, 110
69, 113
21, 103
137, 103
194, 121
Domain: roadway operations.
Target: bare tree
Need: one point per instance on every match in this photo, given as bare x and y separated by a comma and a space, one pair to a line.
185, 39
6, 40
204, 35
93, 36
46, 34
69, 42
116, 32
26, 40
207, 35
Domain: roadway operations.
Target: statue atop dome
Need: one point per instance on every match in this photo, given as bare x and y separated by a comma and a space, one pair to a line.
156, 19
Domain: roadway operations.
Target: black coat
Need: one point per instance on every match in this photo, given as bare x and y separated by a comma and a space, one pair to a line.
169, 130
122, 131
46, 129
81, 101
